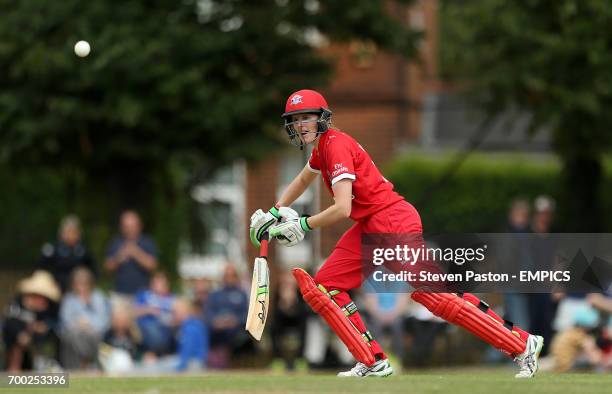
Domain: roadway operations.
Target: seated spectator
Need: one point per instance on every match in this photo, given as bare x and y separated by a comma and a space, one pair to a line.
226, 312
153, 309
31, 321
289, 324
131, 257
385, 313
67, 253
424, 329
192, 337
121, 347
192, 340
588, 342
123, 332
199, 292
84, 318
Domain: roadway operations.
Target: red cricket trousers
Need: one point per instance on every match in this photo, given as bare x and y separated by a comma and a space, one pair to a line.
342, 271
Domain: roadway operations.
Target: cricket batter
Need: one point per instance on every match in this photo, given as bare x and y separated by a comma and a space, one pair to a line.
361, 193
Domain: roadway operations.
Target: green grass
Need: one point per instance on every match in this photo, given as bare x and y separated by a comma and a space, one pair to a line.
475, 381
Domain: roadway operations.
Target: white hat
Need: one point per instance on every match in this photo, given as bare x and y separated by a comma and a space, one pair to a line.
41, 283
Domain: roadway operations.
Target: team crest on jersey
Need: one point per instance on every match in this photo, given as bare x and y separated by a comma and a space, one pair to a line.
296, 99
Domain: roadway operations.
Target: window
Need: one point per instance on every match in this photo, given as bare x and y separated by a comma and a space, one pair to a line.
218, 231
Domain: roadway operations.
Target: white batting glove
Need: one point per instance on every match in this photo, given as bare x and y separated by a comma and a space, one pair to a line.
260, 223
291, 231
287, 213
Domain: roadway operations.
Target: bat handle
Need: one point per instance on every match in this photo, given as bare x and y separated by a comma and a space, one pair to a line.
263, 248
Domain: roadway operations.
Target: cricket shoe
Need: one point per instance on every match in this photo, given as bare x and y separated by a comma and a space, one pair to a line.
380, 368
528, 360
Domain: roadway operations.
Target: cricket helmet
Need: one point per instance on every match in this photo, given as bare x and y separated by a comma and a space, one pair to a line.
306, 101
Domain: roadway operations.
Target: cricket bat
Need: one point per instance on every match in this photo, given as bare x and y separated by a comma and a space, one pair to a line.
259, 300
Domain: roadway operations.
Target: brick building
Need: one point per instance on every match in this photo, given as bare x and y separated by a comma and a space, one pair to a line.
376, 97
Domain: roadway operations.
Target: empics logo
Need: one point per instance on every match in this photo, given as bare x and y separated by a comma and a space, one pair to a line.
296, 99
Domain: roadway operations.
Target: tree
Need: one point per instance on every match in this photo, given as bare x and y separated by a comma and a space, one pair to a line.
169, 84
551, 58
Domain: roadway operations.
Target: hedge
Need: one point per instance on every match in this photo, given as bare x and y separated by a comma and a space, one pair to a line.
476, 197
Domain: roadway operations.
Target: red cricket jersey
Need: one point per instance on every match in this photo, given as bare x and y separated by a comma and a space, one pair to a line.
338, 156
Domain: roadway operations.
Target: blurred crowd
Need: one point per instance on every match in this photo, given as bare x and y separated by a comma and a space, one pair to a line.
576, 327
60, 319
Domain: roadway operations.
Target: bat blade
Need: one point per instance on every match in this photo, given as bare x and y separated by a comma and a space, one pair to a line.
259, 300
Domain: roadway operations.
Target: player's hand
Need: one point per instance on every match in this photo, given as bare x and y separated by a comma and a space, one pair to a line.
261, 222
291, 231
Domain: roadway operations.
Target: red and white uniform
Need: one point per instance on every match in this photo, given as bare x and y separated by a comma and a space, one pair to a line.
376, 208
338, 156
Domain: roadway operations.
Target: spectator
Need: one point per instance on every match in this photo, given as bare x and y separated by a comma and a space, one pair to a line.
541, 306
121, 347
424, 328
518, 258
322, 348
289, 324
84, 318
544, 208
518, 216
67, 253
601, 302
588, 341
31, 321
192, 339
123, 332
131, 257
199, 292
226, 312
386, 315
153, 308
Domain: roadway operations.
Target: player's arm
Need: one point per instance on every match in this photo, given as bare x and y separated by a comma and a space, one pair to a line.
341, 209
297, 187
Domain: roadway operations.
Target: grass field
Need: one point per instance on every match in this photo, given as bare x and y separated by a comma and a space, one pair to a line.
494, 381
